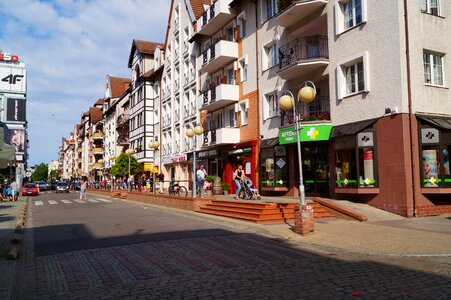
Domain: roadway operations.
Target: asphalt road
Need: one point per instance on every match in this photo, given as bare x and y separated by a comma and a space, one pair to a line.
106, 248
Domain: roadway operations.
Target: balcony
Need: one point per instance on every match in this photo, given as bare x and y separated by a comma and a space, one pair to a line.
293, 11
79, 149
97, 150
97, 166
97, 135
220, 96
79, 160
317, 111
221, 54
122, 120
302, 56
123, 140
222, 136
215, 17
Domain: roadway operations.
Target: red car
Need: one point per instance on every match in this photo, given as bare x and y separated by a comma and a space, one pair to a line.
30, 189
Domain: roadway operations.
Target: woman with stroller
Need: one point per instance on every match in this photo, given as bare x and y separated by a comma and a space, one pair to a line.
238, 176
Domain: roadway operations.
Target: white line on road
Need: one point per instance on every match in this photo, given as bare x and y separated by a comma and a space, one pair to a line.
93, 201
66, 201
104, 200
53, 202
80, 201
38, 203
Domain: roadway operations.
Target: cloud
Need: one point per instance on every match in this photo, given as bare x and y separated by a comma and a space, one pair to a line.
69, 46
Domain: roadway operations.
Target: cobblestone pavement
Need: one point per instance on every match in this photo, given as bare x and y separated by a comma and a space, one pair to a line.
241, 266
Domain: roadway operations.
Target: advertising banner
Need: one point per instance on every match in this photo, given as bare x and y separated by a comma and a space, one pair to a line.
15, 110
430, 170
308, 133
17, 139
13, 79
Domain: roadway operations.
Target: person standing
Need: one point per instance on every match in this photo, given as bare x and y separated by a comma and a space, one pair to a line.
161, 180
83, 189
201, 174
14, 190
238, 176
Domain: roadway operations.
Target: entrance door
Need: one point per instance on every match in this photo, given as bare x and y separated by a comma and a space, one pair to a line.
315, 169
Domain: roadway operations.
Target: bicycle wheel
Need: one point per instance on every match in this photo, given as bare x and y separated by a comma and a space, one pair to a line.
183, 191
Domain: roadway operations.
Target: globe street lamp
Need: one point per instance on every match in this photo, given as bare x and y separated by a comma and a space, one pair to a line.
193, 132
129, 152
306, 94
154, 145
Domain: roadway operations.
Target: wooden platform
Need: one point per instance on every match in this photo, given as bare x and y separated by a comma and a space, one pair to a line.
260, 212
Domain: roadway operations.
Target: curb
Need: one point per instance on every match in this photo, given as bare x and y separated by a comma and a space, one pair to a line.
16, 240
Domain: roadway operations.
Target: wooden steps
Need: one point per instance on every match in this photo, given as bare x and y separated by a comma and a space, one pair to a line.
260, 212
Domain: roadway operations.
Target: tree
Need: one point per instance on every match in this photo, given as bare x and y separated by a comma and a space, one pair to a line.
55, 174
41, 172
120, 168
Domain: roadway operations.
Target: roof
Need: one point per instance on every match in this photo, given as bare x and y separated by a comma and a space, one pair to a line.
198, 7
144, 47
118, 86
99, 102
86, 114
95, 114
352, 128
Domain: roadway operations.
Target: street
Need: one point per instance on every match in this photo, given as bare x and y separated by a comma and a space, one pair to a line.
105, 248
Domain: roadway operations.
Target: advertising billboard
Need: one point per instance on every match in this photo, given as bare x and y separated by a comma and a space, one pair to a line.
15, 110
13, 78
17, 139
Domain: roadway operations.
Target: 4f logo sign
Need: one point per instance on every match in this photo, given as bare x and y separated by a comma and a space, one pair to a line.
12, 79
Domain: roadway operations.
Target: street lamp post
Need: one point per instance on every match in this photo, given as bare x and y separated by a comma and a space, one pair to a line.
193, 132
129, 152
306, 94
154, 145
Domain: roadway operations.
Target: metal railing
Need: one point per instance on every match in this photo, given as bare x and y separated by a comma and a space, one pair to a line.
319, 109
304, 48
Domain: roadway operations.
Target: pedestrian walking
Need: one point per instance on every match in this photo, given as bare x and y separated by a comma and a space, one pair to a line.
161, 180
144, 183
83, 188
238, 176
14, 190
201, 175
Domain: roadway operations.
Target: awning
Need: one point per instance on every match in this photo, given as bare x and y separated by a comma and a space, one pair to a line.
438, 121
269, 143
351, 128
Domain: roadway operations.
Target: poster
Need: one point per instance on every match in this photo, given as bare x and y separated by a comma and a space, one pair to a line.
368, 165
17, 139
430, 168
15, 110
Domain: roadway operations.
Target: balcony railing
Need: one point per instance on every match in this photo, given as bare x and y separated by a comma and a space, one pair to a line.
291, 12
220, 96
97, 135
221, 136
301, 49
317, 110
215, 17
219, 55
97, 150
123, 140
122, 120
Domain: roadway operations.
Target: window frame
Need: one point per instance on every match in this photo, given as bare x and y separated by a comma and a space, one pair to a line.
432, 67
426, 8
243, 66
340, 15
244, 112
341, 75
241, 19
266, 55
268, 107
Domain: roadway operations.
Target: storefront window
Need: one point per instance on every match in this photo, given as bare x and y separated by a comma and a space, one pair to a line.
355, 160
274, 167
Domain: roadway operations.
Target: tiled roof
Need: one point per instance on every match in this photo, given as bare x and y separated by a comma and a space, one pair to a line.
118, 86
99, 102
149, 73
143, 47
198, 7
95, 114
86, 114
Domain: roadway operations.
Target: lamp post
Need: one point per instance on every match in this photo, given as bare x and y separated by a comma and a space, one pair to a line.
306, 94
154, 145
129, 152
193, 132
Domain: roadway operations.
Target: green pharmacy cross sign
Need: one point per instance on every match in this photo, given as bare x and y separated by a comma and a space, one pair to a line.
310, 133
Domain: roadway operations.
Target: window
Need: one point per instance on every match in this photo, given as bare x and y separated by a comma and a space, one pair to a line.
271, 105
271, 8
243, 69
353, 75
433, 70
242, 24
274, 167
349, 14
431, 7
244, 109
230, 118
270, 57
231, 76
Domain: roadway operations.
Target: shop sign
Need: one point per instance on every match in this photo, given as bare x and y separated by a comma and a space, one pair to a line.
430, 136
311, 133
174, 159
148, 167
208, 153
9, 57
240, 151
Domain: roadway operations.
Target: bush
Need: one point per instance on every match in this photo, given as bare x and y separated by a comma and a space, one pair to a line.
210, 178
225, 186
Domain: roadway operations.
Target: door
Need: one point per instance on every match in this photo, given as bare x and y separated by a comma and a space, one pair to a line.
315, 169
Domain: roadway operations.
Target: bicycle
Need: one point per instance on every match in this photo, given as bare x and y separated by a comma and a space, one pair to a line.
176, 189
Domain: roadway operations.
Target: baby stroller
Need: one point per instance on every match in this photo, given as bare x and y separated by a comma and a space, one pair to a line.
252, 188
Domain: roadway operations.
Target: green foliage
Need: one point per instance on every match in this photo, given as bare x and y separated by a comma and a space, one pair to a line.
210, 178
120, 168
41, 172
55, 174
225, 186
2, 178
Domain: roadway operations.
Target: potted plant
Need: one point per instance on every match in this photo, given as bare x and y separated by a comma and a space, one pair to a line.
210, 179
225, 188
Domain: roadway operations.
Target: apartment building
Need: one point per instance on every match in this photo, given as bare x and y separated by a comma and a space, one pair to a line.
179, 91
145, 62
115, 88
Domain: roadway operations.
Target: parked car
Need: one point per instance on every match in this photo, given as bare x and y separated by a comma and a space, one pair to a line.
43, 186
62, 187
30, 189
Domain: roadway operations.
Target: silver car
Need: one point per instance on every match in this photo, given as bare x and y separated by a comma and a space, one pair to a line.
62, 187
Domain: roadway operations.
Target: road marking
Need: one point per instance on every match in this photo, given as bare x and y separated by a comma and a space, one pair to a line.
93, 201
66, 201
38, 203
53, 202
104, 200
80, 201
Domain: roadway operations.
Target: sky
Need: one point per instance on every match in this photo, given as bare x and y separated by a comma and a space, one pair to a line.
69, 47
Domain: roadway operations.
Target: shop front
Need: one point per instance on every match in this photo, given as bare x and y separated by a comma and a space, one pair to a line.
175, 168
279, 173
